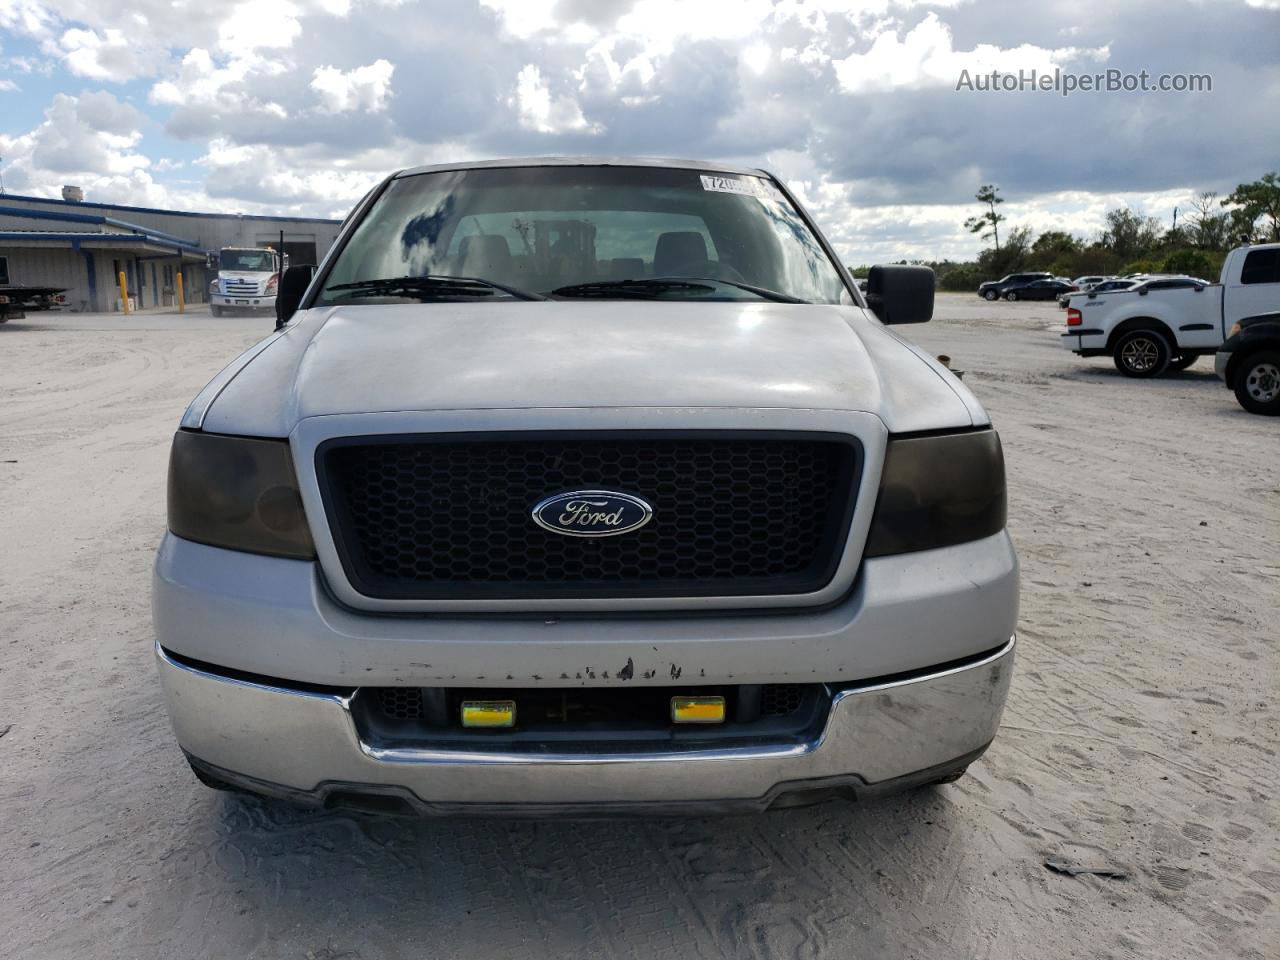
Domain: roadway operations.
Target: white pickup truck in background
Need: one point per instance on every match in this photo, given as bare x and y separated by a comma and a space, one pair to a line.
1158, 326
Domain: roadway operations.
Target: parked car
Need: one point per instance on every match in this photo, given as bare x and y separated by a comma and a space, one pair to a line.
1044, 289
1089, 282
995, 289
1166, 322
1104, 286
499, 523
1248, 362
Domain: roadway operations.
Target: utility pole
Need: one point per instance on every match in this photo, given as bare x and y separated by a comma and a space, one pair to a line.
1, 176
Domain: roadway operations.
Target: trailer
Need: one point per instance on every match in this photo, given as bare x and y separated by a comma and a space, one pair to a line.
16, 299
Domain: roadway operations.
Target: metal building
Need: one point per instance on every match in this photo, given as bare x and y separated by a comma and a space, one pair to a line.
83, 247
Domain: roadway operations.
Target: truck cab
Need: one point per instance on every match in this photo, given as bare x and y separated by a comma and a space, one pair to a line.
246, 281
1167, 323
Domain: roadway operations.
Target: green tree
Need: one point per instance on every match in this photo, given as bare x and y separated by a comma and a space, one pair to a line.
1055, 245
1129, 235
1014, 255
987, 225
1195, 263
1259, 200
1208, 223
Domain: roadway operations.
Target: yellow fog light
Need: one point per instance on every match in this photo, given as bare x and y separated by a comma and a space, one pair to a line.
697, 709
488, 713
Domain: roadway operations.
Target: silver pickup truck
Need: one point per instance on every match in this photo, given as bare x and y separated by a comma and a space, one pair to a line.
574, 485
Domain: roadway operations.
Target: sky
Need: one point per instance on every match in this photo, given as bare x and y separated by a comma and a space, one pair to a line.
300, 106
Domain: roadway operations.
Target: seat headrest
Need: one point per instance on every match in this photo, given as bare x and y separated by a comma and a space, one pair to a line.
626, 268
677, 248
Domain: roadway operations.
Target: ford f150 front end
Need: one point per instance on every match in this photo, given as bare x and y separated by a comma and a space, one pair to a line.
585, 485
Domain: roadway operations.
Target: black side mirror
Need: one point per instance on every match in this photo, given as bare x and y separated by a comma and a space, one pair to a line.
900, 294
293, 284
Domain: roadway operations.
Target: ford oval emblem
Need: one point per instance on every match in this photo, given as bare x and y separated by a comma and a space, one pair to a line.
592, 513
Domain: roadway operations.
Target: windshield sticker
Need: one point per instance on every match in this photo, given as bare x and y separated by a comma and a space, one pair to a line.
748, 187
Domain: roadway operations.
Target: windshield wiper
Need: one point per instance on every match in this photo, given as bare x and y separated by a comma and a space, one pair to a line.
644, 289
437, 285
655, 286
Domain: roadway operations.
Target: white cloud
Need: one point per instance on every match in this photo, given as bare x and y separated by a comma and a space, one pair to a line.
90, 139
27, 16
250, 25
199, 79
365, 88
655, 24
110, 55
926, 56
757, 57
540, 111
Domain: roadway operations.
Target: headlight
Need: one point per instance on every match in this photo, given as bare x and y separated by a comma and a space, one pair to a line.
238, 493
938, 491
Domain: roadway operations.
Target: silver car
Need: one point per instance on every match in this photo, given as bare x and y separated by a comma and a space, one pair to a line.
583, 485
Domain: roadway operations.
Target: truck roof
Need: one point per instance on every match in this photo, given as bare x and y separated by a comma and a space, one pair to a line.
587, 162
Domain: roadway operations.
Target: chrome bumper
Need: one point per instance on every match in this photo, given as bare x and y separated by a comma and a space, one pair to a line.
305, 746
251, 301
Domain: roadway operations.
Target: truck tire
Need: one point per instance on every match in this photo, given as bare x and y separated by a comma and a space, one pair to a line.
1142, 354
1183, 360
1010, 296
990, 295
215, 310
1258, 383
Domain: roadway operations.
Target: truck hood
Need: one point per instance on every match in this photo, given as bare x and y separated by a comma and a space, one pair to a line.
506, 355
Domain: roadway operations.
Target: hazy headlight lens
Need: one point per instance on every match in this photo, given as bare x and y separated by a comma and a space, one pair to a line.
237, 492
938, 491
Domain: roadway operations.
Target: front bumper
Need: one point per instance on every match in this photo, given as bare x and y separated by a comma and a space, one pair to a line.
243, 303
305, 745
276, 617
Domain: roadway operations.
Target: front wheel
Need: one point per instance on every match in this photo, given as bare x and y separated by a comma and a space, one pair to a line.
1183, 360
1142, 354
1011, 296
215, 310
1258, 383
989, 295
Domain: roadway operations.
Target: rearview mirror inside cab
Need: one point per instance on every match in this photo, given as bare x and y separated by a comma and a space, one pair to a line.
900, 294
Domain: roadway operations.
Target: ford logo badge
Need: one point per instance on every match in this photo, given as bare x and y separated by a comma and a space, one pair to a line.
592, 513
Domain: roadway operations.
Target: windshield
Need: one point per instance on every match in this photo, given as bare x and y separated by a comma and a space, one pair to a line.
546, 230
257, 261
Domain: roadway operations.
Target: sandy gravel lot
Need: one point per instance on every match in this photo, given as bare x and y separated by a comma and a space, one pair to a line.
1141, 732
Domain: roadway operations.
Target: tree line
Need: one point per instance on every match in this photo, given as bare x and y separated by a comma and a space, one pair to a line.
1194, 243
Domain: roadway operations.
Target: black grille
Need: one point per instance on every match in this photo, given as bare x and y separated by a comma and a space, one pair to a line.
400, 703
449, 517
780, 699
